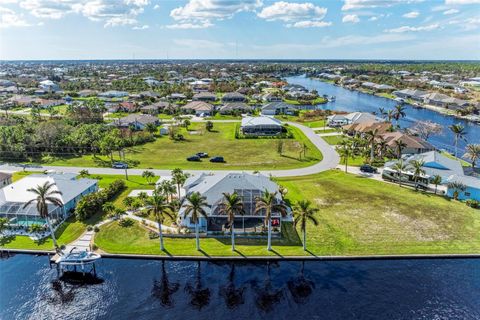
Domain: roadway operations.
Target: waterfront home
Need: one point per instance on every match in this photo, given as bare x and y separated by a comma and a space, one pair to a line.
377, 87
413, 144
113, 94
235, 107
261, 126
338, 120
155, 108
444, 101
472, 187
199, 108
136, 121
364, 127
5, 179
234, 97
87, 93
14, 196
278, 108
271, 97
247, 186
205, 96
416, 95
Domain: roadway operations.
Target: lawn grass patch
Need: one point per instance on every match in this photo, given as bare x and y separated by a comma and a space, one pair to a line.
333, 140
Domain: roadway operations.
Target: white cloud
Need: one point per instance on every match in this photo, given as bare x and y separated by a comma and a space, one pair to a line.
451, 11
374, 18
201, 44
362, 4
309, 24
411, 15
204, 12
351, 18
188, 25
10, 19
468, 24
460, 2
144, 27
156, 7
414, 29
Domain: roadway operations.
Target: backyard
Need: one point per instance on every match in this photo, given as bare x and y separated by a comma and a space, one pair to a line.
248, 154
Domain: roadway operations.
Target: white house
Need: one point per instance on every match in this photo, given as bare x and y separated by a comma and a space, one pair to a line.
338, 120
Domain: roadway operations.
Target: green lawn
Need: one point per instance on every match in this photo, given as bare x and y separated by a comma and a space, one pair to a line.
358, 216
248, 154
333, 140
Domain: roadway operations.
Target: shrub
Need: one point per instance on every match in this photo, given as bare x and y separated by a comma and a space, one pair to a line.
89, 228
126, 222
96, 229
153, 235
473, 203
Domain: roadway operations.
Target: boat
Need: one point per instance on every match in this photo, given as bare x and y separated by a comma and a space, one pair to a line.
332, 98
77, 257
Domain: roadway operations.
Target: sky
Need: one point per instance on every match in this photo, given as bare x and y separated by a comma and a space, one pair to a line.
239, 29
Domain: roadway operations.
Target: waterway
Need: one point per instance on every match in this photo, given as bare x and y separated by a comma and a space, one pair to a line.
350, 101
152, 289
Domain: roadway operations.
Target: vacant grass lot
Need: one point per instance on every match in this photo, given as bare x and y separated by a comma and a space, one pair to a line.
248, 154
358, 216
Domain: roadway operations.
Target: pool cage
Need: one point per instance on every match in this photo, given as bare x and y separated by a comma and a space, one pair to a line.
18, 216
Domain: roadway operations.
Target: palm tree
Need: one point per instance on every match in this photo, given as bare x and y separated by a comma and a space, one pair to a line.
398, 113
473, 153
232, 205
399, 145
345, 150
269, 204
108, 208
371, 136
195, 207
456, 187
45, 194
128, 202
302, 213
399, 167
436, 180
389, 115
160, 208
417, 166
179, 178
167, 188
459, 132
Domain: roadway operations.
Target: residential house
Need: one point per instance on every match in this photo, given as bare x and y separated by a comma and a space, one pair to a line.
261, 126
364, 127
247, 186
49, 86
113, 94
199, 108
14, 196
416, 95
234, 97
472, 187
235, 107
277, 108
205, 96
413, 144
338, 120
271, 97
177, 96
156, 107
136, 121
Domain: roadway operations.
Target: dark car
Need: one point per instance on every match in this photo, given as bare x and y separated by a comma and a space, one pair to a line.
217, 159
119, 165
368, 168
202, 154
194, 158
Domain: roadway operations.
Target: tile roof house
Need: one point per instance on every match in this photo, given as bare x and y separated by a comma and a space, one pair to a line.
234, 97
276, 108
205, 96
137, 121
413, 144
199, 108
235, 107
156, 107
364, 127
212, 187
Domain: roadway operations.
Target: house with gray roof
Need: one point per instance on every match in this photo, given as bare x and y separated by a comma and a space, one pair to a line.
136, 121
261, 126
234, 97
247, 186
277, 108
235, 107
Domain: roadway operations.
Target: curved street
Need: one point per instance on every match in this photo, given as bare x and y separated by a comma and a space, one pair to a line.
330, 161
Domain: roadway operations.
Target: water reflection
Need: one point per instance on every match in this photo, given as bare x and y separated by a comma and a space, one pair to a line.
200, 296
300, 287
163, 290
234, 296
267, 296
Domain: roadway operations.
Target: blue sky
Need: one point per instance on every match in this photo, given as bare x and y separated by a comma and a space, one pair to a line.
198, 29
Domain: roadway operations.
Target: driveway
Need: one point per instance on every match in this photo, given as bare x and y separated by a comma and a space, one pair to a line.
330, 160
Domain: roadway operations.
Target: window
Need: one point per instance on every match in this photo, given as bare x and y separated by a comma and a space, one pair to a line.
467, 194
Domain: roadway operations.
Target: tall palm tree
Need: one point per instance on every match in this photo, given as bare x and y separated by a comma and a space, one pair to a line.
459, 132
418, 171
457, 187
269, 204
398, 113
302, 213
372, 136
160, 208
179, 178
45, 194
399, 167
398, 146
232, 205
473, 153
389, 115
195, 207
436, 180
167, 187
345, 150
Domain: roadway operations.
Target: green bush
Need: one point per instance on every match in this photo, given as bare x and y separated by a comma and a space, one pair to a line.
126, 222
96, 229
473, 203
153, 235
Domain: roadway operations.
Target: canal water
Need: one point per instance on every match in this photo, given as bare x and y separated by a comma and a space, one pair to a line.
151, 289
350, 101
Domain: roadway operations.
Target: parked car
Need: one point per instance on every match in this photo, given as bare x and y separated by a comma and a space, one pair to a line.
217, 159
120, 165
194, 158
202, 154
368, 168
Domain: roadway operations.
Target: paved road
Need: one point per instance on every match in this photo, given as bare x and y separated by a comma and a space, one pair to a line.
330, 160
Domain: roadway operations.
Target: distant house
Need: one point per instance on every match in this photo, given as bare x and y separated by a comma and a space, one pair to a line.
177, 96
49, 86
234, 97
364, 127
199, 108
338, 120
472, 187
276, 108
417, 95
270, 97
155, 108
137, 121
235, 107
113, 94
5, 178
205, 96
14, 196
87, 93
444, 101
247, 186
413, 144
261, 126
